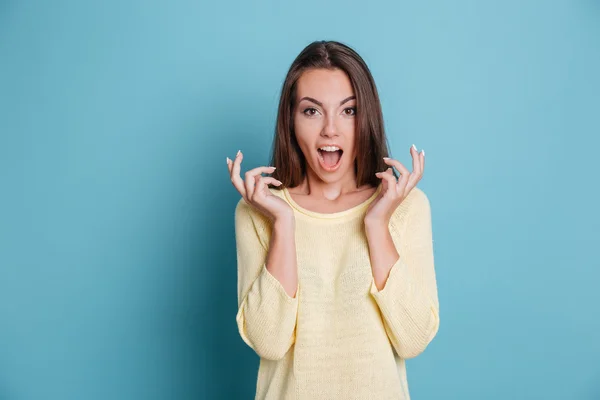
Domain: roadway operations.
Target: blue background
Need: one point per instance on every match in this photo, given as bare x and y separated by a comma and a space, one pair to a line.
117, 249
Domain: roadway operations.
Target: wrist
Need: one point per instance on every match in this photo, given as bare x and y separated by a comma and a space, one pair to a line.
284, 221
376, 224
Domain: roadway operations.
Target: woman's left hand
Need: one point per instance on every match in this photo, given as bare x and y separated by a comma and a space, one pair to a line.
395, 191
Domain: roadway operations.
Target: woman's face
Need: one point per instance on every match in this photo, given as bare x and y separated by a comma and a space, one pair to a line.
325, 114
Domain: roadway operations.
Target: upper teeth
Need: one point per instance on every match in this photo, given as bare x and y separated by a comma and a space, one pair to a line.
329, 148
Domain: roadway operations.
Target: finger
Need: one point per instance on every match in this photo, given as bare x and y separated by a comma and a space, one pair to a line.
416, 178
266, 180
270, 180
390, 171
236, 179
384, 183
416, 160
421, 156
261, 190
404, 173
417, 169
250, 179
389, 180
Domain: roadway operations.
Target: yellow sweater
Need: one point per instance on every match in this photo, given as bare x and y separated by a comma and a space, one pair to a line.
339, 338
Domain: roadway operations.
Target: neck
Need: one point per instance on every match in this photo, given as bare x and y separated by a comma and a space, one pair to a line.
313, 185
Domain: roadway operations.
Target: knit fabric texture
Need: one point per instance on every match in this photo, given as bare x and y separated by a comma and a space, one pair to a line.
339, 337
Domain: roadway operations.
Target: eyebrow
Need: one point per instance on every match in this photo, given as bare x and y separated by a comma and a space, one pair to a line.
347, 99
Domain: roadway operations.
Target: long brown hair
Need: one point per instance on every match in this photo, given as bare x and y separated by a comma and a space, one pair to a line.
371, 142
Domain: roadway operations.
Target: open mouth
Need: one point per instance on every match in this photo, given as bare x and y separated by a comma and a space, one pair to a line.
330, 160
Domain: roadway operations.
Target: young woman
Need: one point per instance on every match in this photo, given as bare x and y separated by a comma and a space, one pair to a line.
336, 280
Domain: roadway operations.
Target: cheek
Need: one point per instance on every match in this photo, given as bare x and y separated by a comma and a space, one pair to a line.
306, 128
348, 125
304, 135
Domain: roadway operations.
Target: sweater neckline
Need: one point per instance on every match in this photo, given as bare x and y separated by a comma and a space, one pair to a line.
345, 213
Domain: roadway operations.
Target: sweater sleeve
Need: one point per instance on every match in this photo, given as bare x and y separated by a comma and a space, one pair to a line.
409, 300
266, 316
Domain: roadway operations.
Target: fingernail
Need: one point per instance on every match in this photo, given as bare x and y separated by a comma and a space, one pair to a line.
414, 147
386, 158
423, 151
238, 153
228, 160
273, 167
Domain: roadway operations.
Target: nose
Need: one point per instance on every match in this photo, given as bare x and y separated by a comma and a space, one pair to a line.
329, 130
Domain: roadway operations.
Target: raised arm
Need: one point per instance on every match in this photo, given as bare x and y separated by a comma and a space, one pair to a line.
408, 299
267, 282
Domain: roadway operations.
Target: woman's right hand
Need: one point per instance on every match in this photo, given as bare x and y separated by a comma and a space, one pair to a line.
255, 191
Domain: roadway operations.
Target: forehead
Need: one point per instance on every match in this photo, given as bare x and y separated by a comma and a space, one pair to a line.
325, 85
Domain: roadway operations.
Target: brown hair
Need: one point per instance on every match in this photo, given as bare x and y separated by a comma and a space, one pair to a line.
371, 142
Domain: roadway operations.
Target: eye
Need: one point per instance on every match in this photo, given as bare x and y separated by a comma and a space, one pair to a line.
310, 111
352, 109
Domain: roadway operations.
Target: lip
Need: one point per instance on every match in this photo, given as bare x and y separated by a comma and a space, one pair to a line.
326, 167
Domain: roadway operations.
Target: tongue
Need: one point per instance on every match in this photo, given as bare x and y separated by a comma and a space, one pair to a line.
331, 157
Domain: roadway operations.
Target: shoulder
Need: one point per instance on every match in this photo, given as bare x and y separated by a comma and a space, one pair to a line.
415, 203
249, 218
242, 208
417, 198
250, 225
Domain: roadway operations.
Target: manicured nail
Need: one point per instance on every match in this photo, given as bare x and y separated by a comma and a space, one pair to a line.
386, 158
228, 160
273, 167
423, 151
414, 147
238, 153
